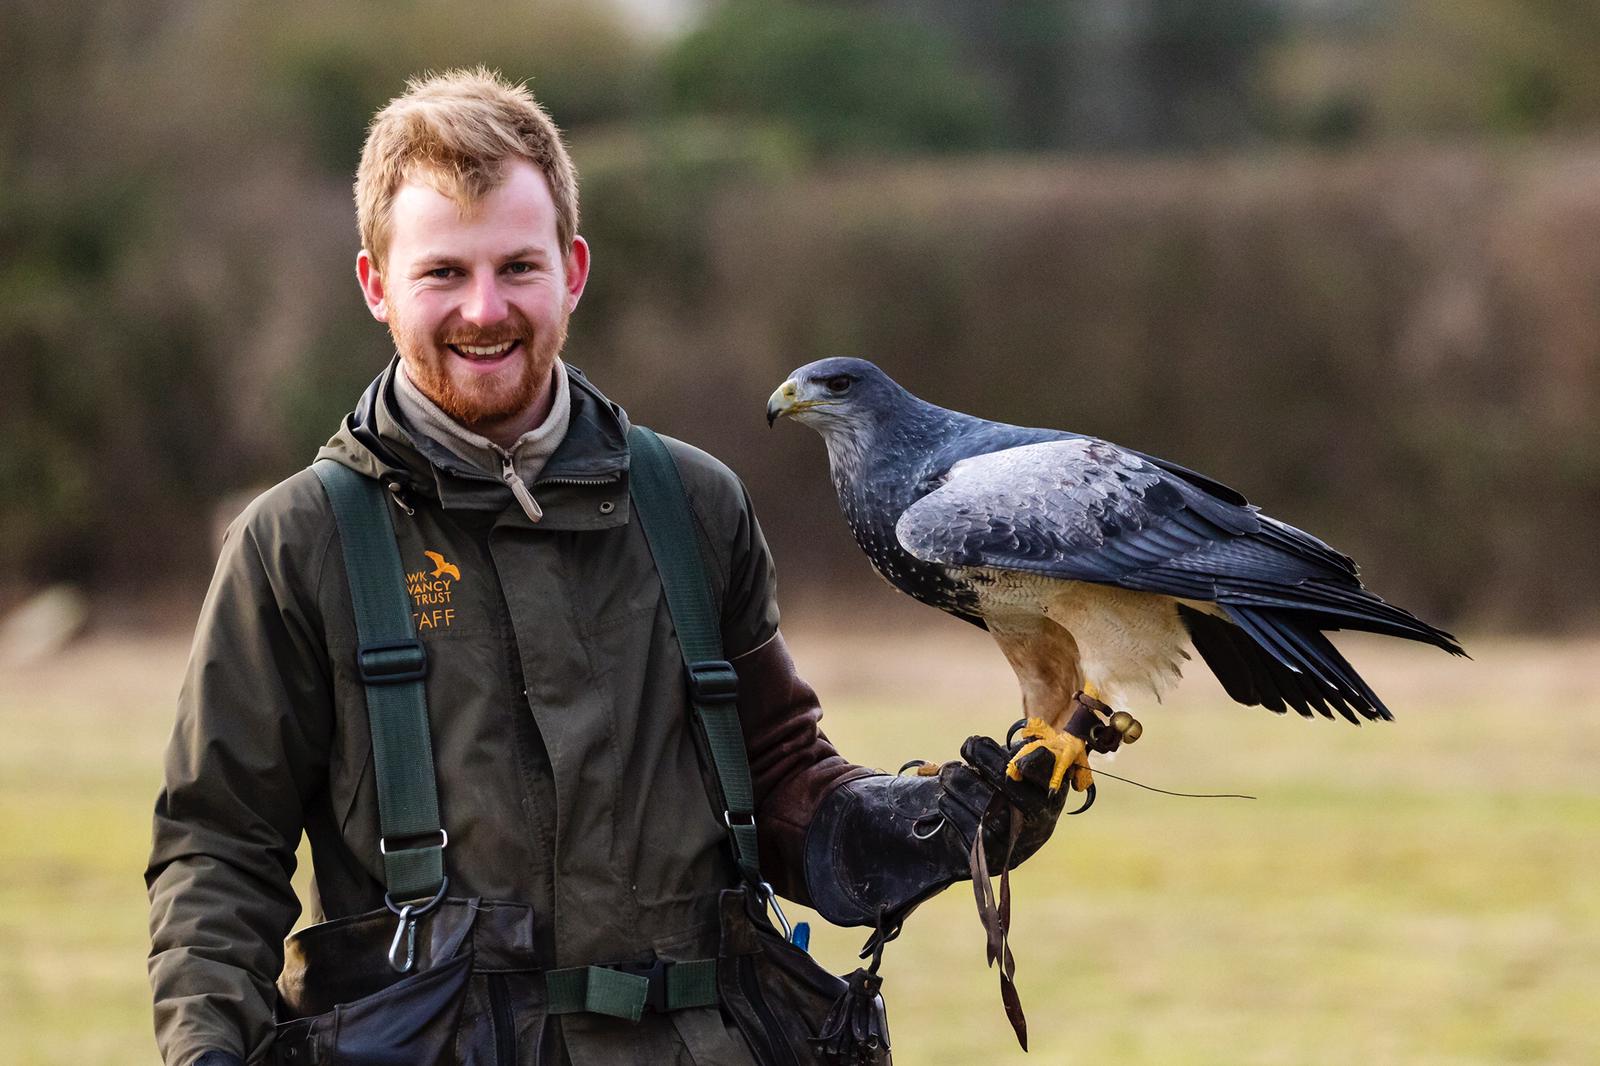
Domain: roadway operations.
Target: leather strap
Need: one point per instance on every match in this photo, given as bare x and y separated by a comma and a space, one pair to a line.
391, 663
996, 914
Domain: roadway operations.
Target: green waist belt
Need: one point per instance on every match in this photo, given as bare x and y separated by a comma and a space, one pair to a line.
627, 991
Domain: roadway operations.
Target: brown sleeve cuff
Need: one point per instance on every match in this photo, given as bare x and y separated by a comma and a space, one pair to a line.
792, 764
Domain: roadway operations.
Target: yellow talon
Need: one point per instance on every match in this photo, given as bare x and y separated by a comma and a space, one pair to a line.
1070, 754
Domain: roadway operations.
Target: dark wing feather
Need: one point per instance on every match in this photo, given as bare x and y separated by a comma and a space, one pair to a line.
1078, 509
1085, 510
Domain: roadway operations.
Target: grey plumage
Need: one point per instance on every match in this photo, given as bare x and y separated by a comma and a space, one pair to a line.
946, 504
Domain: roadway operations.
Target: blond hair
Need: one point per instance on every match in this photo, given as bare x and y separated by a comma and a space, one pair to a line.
455, 131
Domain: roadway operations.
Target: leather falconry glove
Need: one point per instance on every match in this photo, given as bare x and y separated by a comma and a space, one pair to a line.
880, 845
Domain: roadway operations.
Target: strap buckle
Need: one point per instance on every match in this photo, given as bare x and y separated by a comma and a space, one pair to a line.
444, 841
655, 972
389, 662
713, 681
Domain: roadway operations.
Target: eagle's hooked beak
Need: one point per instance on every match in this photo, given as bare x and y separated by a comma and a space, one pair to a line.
782, 401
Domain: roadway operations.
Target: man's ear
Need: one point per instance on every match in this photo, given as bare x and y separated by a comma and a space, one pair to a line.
372, 290
576, 263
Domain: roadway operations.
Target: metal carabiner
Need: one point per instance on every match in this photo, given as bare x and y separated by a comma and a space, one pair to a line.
770, 899
407, 930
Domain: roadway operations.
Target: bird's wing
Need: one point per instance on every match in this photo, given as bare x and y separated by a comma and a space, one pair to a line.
1080, 509
1086, 510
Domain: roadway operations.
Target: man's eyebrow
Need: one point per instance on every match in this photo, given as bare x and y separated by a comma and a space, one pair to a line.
434, 259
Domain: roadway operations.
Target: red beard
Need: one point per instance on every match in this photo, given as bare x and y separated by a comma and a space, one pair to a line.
480, 402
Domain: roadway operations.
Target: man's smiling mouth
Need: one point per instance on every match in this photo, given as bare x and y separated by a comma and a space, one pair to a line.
484, 351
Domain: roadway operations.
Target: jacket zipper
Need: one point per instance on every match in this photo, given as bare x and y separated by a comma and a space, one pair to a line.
505, 1033
508, 477
508, 474
575, 480
751, 986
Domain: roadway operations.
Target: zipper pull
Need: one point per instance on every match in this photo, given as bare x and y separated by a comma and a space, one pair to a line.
508, 474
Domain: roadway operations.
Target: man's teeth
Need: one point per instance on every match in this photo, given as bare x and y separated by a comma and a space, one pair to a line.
481, 350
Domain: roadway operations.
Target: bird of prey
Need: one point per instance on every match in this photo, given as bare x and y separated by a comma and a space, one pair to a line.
1091, 565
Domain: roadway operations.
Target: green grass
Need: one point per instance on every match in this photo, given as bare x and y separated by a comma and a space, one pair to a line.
1422, 892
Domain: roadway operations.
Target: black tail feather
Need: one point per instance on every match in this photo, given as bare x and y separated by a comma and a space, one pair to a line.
1338, 607
1278, 660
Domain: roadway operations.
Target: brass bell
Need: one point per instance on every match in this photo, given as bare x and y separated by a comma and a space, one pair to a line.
1127, 726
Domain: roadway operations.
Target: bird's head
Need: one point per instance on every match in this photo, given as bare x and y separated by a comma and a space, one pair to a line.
837, 394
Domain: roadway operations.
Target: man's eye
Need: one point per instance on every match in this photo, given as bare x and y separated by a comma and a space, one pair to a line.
441, 272
520, 268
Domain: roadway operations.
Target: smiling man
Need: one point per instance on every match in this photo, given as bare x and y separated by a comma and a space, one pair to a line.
479, 319
588, 909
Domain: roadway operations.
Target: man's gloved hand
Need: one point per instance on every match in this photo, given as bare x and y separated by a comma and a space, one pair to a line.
969, 790
881, 845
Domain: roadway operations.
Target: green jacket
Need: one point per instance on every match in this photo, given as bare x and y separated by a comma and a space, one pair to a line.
567, 768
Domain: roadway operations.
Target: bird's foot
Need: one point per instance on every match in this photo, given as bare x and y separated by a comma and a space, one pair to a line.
1094, 726
1071, 754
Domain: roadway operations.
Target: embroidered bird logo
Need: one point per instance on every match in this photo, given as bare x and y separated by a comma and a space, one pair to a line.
442, 568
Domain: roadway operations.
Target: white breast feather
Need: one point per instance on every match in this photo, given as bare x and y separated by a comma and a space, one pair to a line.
1129, 643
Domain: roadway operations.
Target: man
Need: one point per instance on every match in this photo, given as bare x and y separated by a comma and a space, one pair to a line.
563, 747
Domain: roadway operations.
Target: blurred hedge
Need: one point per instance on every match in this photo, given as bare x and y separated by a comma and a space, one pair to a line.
1400, 351
1396, 348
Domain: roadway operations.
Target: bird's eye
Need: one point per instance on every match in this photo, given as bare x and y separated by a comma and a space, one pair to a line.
838, 383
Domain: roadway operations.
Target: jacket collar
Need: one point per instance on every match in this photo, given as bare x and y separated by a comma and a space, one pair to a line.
584, 485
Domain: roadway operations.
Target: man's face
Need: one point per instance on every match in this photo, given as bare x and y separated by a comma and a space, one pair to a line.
478, 301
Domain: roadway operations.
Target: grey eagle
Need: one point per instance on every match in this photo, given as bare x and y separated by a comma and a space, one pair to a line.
1091, 565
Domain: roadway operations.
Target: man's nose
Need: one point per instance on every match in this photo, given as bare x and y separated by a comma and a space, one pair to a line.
484, 305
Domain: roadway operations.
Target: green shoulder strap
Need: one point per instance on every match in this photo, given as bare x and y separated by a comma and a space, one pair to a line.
663, 508
391, 663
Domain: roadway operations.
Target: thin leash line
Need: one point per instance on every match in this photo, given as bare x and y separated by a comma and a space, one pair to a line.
1168, 792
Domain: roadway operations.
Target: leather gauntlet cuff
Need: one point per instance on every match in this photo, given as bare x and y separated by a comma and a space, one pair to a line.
881, 845
219, 1058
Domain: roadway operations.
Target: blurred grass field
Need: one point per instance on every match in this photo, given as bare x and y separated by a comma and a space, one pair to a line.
1421, 892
